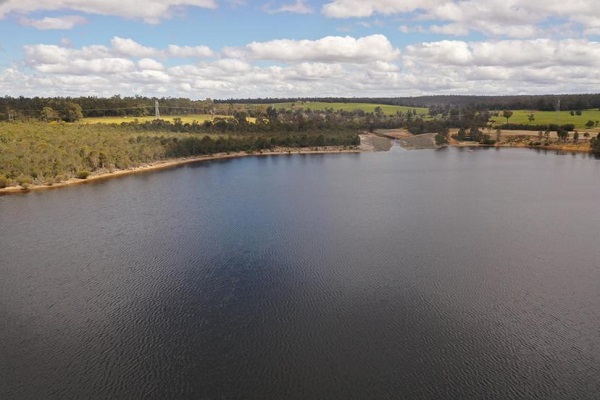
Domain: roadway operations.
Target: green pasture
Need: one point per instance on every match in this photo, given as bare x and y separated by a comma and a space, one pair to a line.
549, 117
199, 118
367, 107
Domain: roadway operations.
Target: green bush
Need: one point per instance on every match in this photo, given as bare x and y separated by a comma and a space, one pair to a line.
82, 174
440, 139
24, 181
4, 182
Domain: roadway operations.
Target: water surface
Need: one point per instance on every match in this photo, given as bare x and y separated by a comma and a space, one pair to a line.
409, 274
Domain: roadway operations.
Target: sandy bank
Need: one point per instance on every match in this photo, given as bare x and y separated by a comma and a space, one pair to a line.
103, 175
372, 142
419, 142
524, 139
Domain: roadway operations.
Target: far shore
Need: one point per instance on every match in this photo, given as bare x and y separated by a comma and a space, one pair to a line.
170, 163
508, 139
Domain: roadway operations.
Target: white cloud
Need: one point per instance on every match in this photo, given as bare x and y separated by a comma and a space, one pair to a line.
535, 53
444, 67
151, 11
328, 49
150, 64
99, 59
189, 51
65, 22
79, 66
362, 8
501, 18
298, 7
232, 66
131, 48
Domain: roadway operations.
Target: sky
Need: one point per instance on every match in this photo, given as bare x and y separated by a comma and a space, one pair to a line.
224, 49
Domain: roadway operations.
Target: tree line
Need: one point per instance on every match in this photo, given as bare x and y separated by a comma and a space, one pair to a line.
15, 108
547, 102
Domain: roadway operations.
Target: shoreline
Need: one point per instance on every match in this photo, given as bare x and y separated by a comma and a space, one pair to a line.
175, 162
552, 147
368, 144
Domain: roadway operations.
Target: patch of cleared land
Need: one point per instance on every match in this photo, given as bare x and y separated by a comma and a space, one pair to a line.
372, 142
419, 142
408, 140
394, 133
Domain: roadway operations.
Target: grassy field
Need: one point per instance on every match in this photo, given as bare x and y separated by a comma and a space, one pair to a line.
184, 118
550, 117
518, 117
387, 109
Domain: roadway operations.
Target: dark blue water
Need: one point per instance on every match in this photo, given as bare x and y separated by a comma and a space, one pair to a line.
402, 275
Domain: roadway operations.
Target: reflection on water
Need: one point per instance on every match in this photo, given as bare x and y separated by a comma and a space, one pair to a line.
407, 274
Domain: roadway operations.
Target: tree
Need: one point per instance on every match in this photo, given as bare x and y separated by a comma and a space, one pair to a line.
507, 114
241, 117
596, 145
530, 117
547, 135
575, 136
49, 114
589, 124
72, 112
272, 114
563, 134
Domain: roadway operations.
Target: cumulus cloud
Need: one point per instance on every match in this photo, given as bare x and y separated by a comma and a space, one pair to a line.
362, 8
328, 49
150, 64
65, 22
115, 58
131, 48
100, 66
441, 67
297, 7
151, 11
189, 51
537, 53
509, 18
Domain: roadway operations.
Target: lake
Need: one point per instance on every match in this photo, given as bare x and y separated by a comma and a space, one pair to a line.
449, 274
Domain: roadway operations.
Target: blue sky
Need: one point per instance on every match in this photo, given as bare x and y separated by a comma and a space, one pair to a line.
295, 48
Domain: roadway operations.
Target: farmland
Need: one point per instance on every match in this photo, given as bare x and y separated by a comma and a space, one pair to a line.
366, 107
199, 118
549, 117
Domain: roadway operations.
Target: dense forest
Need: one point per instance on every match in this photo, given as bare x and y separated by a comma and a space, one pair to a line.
48, 153
19, 108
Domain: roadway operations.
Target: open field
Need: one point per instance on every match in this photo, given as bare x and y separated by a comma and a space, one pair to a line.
199, 118
367, 107
549, 117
